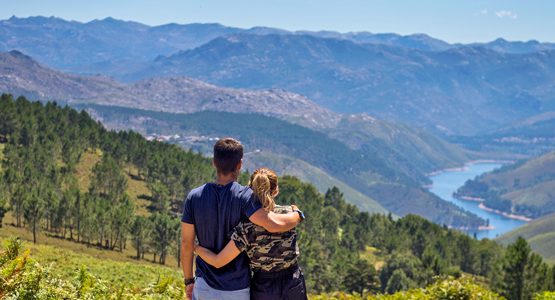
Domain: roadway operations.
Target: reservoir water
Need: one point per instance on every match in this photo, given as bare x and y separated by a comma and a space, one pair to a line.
446, 183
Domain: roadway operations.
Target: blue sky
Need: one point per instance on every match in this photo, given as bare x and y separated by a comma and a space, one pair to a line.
450, 20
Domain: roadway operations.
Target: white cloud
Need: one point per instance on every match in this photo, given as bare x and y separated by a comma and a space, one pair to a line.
506, 14
481, 12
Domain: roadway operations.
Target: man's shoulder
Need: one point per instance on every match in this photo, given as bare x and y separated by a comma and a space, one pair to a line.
197, 192
242, 191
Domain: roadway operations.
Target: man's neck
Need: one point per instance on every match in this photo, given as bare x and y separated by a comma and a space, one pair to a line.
225, 179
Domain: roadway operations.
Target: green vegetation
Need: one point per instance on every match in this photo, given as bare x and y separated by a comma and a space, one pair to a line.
51, 149
525, 188
45, 272
539, 233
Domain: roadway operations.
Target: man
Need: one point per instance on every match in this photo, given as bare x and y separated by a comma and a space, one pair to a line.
210, 213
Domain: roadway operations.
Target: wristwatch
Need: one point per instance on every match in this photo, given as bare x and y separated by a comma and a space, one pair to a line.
189, 281
301, 214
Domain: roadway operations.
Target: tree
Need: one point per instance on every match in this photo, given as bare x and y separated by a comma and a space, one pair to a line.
406, 262
160, 196
3, 201
514, 266
164, 231
536, 276
33, 208
140, 232
361, 277
399, 282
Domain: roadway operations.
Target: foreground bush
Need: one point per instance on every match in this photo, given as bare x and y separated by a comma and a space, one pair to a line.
545, 296
21, 277
450, 289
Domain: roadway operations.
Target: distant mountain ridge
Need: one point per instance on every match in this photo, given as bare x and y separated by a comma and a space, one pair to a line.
108, 46
463, 90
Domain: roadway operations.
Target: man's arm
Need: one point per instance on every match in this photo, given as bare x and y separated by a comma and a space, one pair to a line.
273, 222
187, 250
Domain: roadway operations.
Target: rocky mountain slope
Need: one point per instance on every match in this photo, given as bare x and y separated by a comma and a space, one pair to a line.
21, 75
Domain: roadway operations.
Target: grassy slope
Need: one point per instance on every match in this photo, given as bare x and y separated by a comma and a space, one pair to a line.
539, 194
136, 189
65, 261
527, 173
540, 233
322, 180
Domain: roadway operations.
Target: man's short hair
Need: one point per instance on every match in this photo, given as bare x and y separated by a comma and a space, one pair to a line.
228, 153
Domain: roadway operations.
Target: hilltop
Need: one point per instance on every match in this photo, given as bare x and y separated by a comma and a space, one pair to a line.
22, 75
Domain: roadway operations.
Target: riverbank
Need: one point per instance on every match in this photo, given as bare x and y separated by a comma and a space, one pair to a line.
504, 214
468, 163
491, 210
467, 228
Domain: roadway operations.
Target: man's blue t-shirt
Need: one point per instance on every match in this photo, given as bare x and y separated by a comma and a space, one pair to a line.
215, 210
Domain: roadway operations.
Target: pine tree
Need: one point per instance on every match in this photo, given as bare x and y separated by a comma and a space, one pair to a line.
361, 277
516, 259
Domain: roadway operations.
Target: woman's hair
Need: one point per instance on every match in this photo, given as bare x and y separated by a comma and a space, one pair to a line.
264, 183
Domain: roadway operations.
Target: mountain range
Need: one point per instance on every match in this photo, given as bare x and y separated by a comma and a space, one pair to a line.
460, 89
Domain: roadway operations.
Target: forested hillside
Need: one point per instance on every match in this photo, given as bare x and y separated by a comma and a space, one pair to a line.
385, 165
343, 249
526, 188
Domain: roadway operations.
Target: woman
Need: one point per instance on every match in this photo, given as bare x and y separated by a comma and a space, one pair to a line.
273, 256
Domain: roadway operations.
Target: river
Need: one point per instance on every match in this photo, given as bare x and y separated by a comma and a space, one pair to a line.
446, 183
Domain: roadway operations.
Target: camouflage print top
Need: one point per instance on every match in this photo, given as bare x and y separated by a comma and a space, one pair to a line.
267, 251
